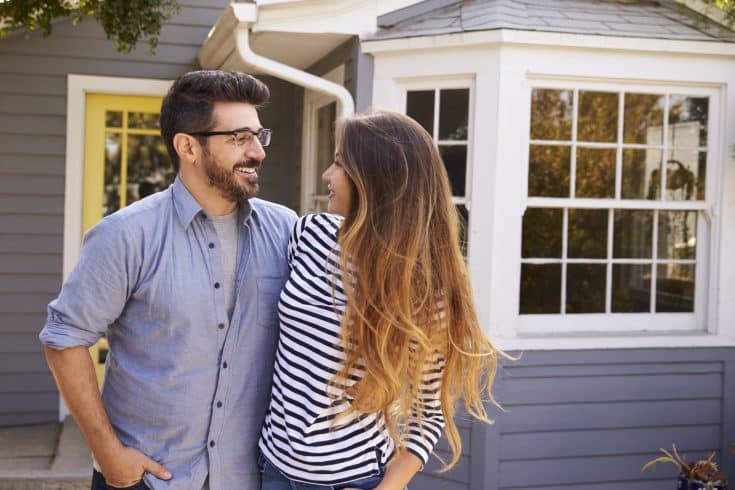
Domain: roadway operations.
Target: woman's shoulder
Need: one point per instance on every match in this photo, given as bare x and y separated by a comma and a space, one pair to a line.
320, 223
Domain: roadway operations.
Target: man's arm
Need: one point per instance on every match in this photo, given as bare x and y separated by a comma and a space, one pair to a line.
74, 374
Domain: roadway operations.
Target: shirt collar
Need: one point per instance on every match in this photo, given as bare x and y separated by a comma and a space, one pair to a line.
187, 208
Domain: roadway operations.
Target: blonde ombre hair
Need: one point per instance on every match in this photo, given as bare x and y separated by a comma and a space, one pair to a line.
409, 298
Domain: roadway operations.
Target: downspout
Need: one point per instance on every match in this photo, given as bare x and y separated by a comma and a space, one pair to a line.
345, 104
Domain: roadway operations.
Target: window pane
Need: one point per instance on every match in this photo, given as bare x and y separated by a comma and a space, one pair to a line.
548, 170
644, 119
454, 107
551, 114
631, 288
632, 235
685, 175
113, 119
149, 168
641, 174
464, 219
541, 233
113, 157
540, 288
143, 120
325, 118
587, 235
586, 288
598, 117
677, 234
420, 106
455, 161
595, 172
688, 121
675, 288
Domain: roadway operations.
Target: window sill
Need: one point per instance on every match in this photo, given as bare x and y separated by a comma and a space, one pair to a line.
603, 341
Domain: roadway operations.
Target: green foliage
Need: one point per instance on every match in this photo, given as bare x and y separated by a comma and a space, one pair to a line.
728, 6
125, 21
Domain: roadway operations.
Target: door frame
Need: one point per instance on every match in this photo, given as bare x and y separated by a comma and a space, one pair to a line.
78, 86
313, 101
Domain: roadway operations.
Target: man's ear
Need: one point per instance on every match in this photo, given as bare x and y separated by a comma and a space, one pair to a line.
187, 147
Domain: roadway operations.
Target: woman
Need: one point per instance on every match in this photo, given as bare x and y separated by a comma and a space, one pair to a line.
379, 336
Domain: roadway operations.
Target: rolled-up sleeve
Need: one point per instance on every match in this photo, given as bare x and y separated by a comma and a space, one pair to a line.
95, 293
425, 425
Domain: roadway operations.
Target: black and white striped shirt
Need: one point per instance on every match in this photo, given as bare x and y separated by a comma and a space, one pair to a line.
298, 436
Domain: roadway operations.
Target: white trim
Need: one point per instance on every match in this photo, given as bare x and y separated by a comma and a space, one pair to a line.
548, 39
313, 101
624, 341
78, 86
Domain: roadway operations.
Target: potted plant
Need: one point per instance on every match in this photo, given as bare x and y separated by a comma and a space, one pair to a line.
700, 475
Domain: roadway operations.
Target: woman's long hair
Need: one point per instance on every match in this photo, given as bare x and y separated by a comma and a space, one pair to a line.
409, 298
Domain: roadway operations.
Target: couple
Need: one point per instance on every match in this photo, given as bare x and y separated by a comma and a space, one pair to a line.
249, 347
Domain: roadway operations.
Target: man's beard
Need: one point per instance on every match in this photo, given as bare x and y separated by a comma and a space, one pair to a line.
226, 182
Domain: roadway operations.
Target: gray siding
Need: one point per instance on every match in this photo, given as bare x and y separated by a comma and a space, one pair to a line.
591, 419
32, 158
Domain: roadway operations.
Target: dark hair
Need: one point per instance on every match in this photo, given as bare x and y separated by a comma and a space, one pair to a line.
188, 105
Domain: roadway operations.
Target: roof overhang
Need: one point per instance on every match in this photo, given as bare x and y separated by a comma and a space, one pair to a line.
546, 39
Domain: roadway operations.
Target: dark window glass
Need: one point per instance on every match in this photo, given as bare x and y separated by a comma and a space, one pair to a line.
540, 288
631, 288
688, 121
595, 172
587, 233
644, 119
685, 175
548, 170
586, 288
420, 106
598, 117
542, 229
454, 107
551, 114
675, 288
641, 174
455, 161
632, 234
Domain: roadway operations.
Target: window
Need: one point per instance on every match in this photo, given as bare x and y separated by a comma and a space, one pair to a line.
615, 223
444, 113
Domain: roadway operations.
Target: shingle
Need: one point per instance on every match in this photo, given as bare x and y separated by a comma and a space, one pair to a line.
661, 19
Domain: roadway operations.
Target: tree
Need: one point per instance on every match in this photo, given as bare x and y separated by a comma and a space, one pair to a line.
124, 21
728, 6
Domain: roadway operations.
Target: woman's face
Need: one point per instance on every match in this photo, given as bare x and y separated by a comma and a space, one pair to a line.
340, 187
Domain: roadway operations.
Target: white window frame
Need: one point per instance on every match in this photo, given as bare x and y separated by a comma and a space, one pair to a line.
634, 324
448, 83
310, 201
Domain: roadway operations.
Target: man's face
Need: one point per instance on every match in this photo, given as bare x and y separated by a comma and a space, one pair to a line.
231, 164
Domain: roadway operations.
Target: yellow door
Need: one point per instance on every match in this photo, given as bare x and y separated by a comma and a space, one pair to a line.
125, 159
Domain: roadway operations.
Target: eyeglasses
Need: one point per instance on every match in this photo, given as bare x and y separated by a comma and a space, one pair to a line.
241, 136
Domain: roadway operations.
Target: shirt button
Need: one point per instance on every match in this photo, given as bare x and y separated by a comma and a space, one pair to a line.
221, 326
211, 245
219, 404
216, 285
211, 443
224, 365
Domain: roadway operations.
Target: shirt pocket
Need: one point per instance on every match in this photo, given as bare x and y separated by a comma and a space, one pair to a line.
269, 291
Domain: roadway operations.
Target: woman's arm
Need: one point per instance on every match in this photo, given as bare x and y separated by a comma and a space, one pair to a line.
401, 469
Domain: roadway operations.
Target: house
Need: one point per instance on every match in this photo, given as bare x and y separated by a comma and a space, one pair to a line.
589, 145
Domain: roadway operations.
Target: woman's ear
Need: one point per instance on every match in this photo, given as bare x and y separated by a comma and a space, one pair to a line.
187, 147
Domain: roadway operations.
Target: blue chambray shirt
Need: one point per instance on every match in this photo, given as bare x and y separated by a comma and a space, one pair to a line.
183, 384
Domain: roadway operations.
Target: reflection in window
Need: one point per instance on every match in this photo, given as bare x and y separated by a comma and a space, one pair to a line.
582, 234
548, 170
136, 159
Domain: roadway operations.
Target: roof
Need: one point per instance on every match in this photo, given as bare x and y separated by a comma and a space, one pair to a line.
664, 19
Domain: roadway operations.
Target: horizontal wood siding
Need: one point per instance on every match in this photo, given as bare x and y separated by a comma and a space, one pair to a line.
591, 419
33, 89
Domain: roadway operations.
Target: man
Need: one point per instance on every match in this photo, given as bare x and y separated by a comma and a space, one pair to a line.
188, 281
